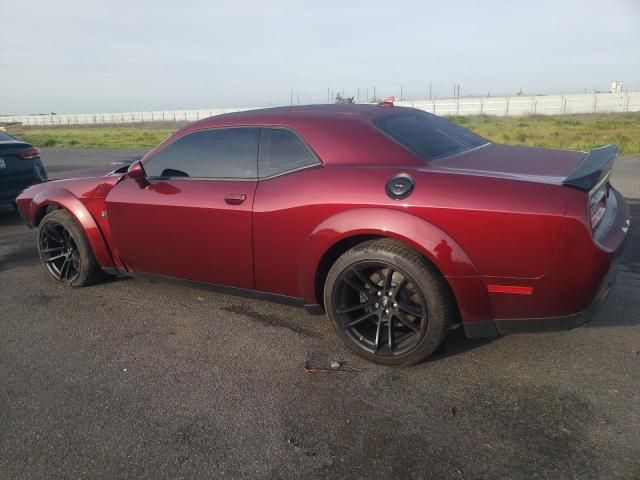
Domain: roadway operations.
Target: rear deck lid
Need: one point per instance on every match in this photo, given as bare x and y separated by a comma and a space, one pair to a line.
542, 165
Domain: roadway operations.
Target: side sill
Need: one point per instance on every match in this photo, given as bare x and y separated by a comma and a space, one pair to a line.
225, 289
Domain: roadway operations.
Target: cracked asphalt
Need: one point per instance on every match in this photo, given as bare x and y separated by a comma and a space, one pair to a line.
143, 379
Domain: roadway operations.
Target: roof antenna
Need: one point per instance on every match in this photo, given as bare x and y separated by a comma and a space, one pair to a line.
387, 102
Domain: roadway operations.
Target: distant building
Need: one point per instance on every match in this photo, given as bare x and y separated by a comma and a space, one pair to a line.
616, 86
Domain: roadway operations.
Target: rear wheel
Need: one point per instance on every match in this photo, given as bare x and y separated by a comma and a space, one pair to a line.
387, 303
65, 251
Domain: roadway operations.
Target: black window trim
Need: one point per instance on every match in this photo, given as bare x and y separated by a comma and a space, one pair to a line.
316, 157
204, 129
318, 162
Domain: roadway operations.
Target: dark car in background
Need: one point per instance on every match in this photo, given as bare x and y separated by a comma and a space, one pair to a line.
20, 167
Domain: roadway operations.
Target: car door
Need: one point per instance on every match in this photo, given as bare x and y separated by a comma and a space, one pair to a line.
190, 217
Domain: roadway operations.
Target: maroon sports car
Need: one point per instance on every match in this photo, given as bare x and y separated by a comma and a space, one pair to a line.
397, 223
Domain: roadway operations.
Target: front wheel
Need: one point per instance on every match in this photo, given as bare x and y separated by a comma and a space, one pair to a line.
65, 250
387, 303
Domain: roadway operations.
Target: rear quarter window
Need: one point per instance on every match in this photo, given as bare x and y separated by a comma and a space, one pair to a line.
427, 135
282, 151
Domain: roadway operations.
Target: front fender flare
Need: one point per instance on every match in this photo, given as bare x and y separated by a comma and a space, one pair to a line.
63, 198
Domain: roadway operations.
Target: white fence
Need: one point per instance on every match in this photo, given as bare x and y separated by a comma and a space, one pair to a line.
499, 106
56, 120
531, 105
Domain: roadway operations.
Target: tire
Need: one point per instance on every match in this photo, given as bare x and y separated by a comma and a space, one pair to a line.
65, 251
383, 292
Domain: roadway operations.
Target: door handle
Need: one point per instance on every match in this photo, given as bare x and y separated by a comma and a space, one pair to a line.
235, 198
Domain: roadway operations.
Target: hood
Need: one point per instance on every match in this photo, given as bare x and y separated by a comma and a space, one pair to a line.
81, 183
508, 161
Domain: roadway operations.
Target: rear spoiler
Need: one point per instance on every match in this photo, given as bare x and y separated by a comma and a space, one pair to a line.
596, 166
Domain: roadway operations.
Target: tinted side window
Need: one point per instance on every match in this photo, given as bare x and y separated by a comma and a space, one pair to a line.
215, 153
282, 150
429, 136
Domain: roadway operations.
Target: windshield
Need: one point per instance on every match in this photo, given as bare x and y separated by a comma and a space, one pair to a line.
427, 135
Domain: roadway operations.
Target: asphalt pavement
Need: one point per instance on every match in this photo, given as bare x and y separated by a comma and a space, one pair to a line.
143, 379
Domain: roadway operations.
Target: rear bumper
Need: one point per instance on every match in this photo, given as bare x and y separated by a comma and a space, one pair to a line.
494, 328
575, 286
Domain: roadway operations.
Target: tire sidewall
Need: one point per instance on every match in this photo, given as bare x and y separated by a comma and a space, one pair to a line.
65, 219
425, 282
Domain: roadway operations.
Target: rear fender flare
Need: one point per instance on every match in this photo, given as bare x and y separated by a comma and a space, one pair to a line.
63, 198
438, 247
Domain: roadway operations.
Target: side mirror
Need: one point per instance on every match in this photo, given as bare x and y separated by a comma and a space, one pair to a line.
136, 172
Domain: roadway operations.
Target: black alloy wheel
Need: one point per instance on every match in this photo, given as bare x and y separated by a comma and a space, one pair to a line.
59, 252
388, 303
380, 308
65, 250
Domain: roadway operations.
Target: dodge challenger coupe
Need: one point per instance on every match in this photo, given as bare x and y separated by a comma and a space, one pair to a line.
397, 223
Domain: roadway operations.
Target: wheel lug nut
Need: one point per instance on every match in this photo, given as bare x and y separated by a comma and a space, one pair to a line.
386, 311
379, 293
395, 305
390, 292
377, 305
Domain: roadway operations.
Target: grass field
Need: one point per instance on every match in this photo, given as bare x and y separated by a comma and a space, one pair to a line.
580, 132
103, 136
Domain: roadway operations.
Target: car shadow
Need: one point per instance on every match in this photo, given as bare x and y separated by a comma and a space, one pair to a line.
457, 343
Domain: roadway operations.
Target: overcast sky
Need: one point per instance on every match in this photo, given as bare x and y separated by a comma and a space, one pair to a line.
90, 56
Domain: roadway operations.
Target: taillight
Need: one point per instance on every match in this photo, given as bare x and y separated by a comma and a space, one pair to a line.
30, 154
598, 202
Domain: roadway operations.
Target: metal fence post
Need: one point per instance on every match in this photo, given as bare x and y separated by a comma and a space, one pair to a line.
628, 99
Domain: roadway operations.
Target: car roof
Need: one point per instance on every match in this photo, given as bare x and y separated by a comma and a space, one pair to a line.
292, 114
